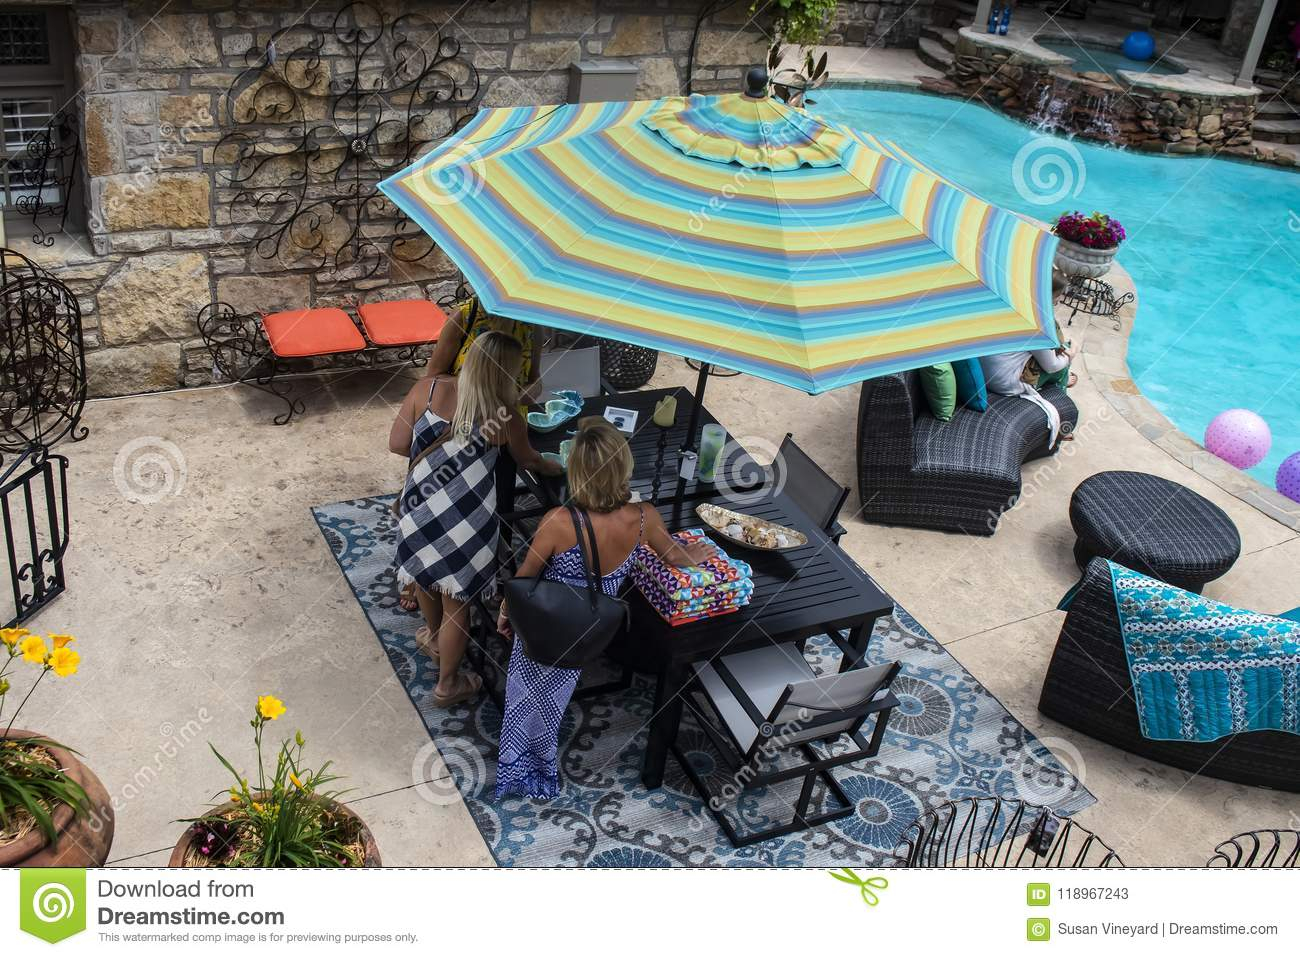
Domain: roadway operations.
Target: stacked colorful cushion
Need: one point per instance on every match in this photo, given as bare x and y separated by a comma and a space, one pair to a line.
720, 585
952, 385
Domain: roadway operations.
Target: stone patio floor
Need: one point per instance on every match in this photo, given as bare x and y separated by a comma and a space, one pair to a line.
188, 607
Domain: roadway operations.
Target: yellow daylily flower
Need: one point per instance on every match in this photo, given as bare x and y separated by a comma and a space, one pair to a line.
257, 807
60, 641
34, 650
64, 661
296, 782
234, 796
11, 636
270, 707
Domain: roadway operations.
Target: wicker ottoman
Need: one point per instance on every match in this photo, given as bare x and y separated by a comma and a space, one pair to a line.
1153, 526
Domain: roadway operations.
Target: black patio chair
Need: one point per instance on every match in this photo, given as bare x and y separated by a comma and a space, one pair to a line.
768, 703
797, 477
1269, 848
988, 832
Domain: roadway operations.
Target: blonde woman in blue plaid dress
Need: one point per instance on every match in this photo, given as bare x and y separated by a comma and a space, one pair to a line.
448, 526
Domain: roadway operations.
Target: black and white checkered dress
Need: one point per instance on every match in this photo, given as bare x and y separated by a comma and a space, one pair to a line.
447, 534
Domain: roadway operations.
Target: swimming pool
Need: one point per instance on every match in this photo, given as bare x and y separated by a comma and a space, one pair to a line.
1092, 56
1214, 247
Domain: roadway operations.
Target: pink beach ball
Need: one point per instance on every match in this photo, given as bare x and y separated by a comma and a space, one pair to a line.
1239, 437
1288, 477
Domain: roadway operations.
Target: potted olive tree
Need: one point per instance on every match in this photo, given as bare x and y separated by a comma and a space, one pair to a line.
283, 817
1088, 243
54, 812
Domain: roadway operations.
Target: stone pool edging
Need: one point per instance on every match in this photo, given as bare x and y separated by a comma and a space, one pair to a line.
1104, 352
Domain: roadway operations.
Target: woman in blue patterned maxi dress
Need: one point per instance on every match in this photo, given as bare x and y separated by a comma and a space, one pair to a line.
448, 525
537, 695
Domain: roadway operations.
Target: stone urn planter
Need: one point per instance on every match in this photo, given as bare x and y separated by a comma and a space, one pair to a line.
182, 856
1073, 259
81, 841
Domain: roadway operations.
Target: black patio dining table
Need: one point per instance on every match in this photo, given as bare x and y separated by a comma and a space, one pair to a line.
798, 594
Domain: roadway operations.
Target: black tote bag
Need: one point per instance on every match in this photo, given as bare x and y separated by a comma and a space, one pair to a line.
560, 625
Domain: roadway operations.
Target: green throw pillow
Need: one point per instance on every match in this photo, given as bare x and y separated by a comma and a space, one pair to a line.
939, 383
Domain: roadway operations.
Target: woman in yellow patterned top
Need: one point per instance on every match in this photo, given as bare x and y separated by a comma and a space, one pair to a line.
468, 324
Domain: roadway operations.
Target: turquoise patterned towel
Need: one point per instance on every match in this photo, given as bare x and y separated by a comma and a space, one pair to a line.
1202, 669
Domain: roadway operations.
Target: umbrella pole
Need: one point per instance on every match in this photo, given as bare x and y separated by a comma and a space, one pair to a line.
693, 424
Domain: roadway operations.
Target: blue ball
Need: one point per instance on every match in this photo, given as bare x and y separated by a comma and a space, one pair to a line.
1139, 45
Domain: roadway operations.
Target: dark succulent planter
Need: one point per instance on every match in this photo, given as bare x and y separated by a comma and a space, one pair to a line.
79, 841
370, 856
625, 366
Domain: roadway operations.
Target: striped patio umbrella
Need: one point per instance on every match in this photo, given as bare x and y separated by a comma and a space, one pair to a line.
734, 230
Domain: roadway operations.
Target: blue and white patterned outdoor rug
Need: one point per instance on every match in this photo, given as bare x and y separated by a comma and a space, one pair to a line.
950, 739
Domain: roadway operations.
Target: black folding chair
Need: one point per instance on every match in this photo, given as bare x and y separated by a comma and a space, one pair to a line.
797, 477
768, 705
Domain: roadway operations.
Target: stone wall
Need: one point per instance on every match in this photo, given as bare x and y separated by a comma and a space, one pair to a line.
1210, 119
889, 23
167, 232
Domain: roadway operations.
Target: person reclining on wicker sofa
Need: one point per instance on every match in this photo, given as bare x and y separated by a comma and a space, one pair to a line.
959, 475
1089, 683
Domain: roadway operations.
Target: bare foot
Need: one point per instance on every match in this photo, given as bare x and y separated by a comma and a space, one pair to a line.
406, 598
1073, 380
462, 687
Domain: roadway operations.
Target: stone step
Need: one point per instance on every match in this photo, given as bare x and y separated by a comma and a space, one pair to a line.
952, 13
945, 36
1113, 12
1273, 108
1283, 131
934, 54
1283, 154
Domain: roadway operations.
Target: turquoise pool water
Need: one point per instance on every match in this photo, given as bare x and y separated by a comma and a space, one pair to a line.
1105, 60
1214, 247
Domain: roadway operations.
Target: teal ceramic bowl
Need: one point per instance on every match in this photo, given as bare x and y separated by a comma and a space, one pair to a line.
558, 411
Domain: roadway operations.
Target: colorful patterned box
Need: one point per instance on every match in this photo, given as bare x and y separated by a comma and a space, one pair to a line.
680, 595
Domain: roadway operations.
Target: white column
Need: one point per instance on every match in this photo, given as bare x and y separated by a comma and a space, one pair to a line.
1251, 60
982, 8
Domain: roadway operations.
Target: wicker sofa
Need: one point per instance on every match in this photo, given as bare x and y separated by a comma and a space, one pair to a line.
1088, 688
956, 476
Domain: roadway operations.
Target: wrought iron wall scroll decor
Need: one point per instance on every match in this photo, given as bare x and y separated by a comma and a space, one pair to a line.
318, 117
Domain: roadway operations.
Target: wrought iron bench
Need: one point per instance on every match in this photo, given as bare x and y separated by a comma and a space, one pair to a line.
259, 349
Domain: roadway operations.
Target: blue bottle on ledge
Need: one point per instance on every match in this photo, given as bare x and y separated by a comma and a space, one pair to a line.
1005, 22
994, 15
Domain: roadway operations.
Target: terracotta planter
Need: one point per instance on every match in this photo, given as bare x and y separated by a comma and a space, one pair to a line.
367, 839
80, 841
1075, 260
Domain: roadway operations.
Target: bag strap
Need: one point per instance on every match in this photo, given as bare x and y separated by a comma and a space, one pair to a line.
581, 523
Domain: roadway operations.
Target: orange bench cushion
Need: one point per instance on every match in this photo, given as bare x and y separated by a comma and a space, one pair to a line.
311, 332
406, 322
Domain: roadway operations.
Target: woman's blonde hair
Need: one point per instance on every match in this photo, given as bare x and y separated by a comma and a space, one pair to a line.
486, 388
599, 467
